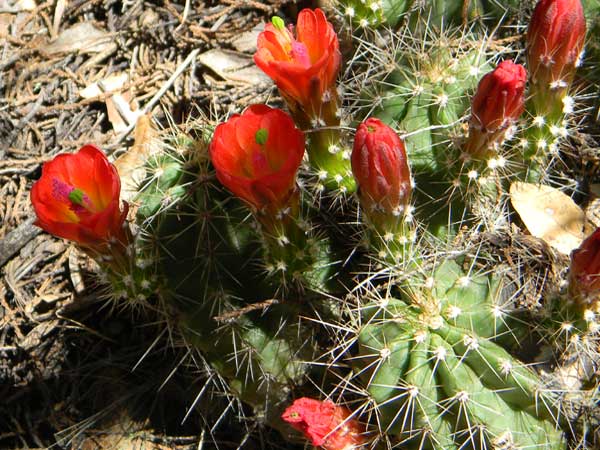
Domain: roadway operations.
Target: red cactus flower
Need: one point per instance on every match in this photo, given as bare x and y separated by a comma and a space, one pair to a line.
380, 166
77, 198
304, 67
584, 274
257, 154
326, 425
555, 40
500, 98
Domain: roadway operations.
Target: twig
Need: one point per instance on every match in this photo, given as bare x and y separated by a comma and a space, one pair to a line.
16, 239
230, 316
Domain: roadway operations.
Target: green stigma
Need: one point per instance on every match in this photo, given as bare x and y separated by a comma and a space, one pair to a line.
76, 196
278, 22
261, 136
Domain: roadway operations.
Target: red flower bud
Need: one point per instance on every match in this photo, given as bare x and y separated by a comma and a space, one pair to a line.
257, 154
584, 274
77, 198
326, 425
379, 165
500, 98
555, 40
304, 67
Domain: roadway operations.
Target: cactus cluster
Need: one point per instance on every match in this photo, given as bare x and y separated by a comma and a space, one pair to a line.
357, 273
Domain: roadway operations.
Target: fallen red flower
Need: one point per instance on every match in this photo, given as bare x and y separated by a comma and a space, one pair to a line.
325, 424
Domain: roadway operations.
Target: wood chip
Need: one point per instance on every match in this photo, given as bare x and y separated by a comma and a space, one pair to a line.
59, 10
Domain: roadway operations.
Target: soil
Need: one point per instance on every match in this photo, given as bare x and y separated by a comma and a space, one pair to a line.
74, 374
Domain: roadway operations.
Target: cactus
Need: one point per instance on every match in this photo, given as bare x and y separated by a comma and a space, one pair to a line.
436, 375
287, 287
367, 14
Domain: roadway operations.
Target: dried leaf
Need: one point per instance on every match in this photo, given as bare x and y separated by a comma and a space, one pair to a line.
592, 208
130, 164
112, 83
246, 42
81, 37
233, 66
59, 10
12, 6
550, 215
116, 120
6, 21
120, 112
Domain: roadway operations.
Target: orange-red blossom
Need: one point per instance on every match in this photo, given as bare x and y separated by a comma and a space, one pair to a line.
77, 198
256, 155
304, 65
498, 102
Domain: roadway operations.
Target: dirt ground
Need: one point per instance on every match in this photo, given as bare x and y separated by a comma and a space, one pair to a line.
72, 373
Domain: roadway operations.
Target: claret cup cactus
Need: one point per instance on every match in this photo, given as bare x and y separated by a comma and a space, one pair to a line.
360, 296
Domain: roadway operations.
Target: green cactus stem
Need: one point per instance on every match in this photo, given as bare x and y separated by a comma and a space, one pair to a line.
437, 375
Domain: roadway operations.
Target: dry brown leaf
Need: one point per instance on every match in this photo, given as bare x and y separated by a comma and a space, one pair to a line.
12, 6
121, 111
233, 66
246, 42
59, 10
6, 21
81, 37
116, 120
550, 215
130, 164
111, 83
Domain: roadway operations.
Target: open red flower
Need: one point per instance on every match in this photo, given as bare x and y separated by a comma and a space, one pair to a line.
584, 273
555, 40
380, 166
257, 154
326, 424
304, 66
77, 198
500, 97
